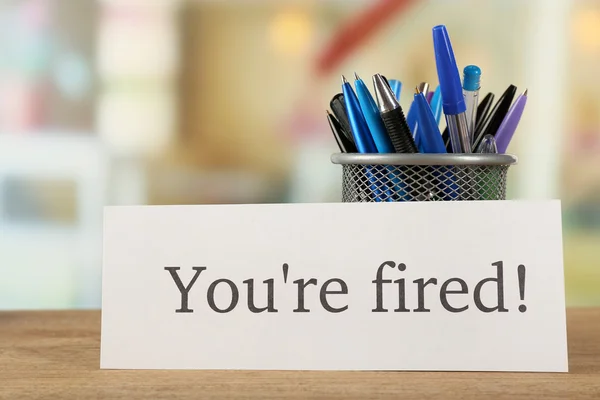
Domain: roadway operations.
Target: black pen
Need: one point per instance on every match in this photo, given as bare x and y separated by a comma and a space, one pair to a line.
493, 121
446, 138
338, 107
483, 109
345, 145
393, 117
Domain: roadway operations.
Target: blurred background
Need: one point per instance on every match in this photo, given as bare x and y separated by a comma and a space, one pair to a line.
127, 102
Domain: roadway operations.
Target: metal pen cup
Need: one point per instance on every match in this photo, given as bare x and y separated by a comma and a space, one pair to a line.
424, 177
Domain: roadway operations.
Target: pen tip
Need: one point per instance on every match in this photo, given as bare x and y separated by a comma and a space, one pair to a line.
417, 91
525, 92
344, 80
356, 76
327, 112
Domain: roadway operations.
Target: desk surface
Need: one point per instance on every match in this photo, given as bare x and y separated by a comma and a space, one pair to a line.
56, 355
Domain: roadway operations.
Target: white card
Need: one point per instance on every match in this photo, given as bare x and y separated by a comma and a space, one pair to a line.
364, 286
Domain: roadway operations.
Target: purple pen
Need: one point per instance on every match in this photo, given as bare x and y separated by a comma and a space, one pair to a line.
509, 124
429, 97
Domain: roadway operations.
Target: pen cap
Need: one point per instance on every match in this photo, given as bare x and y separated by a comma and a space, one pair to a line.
471, 78
448, 75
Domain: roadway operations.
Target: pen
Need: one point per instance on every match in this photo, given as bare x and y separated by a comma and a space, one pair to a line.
488, 145
345, 145
393, 117
380, 179
396, 86
452, 97
373, 118
363, 140
510, 123
426, 142
432, 142
381, 138
436, 108
486, 180
412, 120
496, 116
483, 109
471, 79
338, 107
447, 141
429, 97
358, 125
431, 138
436, 104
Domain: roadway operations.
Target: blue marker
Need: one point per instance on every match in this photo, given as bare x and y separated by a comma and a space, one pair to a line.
436, 105
373, 117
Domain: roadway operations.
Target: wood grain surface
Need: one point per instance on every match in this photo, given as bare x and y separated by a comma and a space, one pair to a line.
55, 355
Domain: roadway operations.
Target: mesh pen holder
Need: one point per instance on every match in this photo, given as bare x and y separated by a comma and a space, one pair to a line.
423, 177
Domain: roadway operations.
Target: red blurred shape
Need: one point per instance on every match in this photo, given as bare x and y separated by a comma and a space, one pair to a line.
357, 31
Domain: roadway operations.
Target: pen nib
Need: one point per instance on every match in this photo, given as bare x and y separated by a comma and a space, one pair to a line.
525, 92
417, 90
356, 76
344, 80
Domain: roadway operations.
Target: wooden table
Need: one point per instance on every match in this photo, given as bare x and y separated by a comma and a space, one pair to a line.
55, 355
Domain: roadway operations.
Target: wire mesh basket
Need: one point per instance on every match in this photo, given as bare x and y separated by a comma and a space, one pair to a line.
423, 177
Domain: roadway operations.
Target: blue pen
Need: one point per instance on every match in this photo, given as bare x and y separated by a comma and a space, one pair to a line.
378, 132
432, 142
452, 97
396, 87
431, 137
358, 124
412, 119
362, 137
436, 105
373, 117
